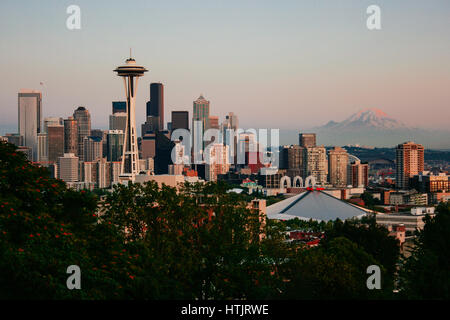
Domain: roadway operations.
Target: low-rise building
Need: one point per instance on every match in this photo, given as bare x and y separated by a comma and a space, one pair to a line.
411, 220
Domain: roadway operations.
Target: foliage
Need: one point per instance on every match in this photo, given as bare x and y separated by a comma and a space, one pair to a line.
195, 242
426, 273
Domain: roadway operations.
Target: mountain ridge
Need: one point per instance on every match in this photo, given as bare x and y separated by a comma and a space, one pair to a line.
370, 118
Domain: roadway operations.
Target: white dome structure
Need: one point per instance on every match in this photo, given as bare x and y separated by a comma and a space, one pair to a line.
314, 204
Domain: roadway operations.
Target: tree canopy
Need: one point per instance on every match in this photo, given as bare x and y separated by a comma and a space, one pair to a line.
199, 241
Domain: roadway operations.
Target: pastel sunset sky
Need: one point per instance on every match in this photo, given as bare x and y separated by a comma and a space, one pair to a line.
277, 64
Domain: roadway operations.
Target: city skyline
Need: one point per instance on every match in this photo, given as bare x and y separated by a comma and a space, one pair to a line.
400, 68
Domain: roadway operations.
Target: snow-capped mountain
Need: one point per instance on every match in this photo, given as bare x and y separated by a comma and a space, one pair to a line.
374, 127
366, 119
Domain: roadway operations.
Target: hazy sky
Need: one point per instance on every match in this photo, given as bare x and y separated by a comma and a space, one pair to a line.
279, 64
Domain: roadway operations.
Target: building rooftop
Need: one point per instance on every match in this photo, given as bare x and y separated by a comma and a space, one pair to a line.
316, 205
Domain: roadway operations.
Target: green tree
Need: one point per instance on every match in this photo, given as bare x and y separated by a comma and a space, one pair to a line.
334, 271
426, 273
44, 228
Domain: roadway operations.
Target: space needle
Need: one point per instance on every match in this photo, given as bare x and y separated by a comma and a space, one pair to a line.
130, 72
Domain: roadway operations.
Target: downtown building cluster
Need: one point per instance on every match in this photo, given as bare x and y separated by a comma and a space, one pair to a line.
85, 157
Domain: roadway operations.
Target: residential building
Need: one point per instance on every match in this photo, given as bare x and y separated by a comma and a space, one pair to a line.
359, 174
337, 167
409, 162
315, 163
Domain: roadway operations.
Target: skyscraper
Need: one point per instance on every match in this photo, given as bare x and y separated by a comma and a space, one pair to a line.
119, 107
70, 135
130, 72
201, 111
291, 158
55, 142
155, 107
359, 174
93, 148
315, 163
307, 140
231, 123
83, 118
200, 123
409, 162
114, 145
150, 126
118, 121
52, 121
180, 120
42, 154
338, 166
30, 114
148, 145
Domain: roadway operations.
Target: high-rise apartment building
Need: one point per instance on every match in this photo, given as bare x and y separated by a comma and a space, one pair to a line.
409, 162
315, 163
307, 140
30, 115
359, 174
155, 107
338, 166
68, 167
180, 120
55, 142
70, 135
83, 118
